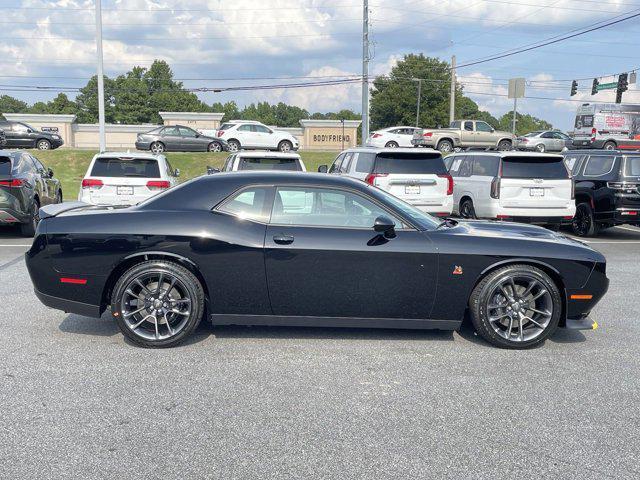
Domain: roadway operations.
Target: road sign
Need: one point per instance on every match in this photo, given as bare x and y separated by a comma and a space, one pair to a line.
607, 86
516, 87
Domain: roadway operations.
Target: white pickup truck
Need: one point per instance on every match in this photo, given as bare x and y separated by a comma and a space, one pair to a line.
463, 134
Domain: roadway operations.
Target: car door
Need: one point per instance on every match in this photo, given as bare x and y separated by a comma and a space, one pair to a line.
335, 166
189, 140
171, 138
265, 137
404, 137
484, 135
40, 177
245, 135
468, 134
19, 136
485, 169
323, 258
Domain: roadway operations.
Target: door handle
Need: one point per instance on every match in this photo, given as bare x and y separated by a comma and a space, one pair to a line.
283, 239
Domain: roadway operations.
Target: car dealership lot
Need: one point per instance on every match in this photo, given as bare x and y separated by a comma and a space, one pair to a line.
239, 402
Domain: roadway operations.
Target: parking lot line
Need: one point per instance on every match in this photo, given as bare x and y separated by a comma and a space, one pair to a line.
631, 229
15, 245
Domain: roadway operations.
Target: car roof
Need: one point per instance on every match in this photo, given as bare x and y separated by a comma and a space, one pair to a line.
378, 150
126, 155
511, 153
11, 153
266, 154
254, 122
601, 151
269, 177
398, 126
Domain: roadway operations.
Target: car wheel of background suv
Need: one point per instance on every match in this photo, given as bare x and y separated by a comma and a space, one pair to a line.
584, 223
467, 210
29, 229
234, 145
285, 146
610, 146
445, 146
504, 145
43, 144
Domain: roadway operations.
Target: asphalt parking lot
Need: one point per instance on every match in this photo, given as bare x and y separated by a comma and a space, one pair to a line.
236, 402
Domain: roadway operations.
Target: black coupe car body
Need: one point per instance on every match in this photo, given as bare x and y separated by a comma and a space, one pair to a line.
285, 248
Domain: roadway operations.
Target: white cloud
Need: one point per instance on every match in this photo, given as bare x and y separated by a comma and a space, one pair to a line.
488, 94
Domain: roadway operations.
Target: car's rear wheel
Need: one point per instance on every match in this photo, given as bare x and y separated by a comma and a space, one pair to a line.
466, 209
392, 145
517, 306
43, 144
157, 303
445, 146
29, 229
285, 146
504, 145
214, 147
610, 146
59, 196
233, 145
584, 223
541, 148
157, 147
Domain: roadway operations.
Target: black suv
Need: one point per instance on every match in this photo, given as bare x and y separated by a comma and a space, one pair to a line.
21, 135
25, 186
607, 188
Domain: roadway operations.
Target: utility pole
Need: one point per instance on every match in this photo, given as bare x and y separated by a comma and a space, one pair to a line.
419, 80
365, 71
452, 100
103, 142
515, 107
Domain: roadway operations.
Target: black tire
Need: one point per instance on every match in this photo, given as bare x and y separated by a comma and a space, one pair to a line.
492, 330
445, 146
610, 146
467, 209
214, 147
59, 197
43, 144
541, 148
29, 229
584, 223
186, 281
504, 145
285, 146
233, 145
157, 147
391, 145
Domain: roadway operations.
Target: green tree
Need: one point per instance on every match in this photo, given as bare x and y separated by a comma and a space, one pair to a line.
87, 101
525, 123
9, 104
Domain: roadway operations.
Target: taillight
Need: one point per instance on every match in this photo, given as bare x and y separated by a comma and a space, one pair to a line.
594, 132
449, 183
92, 183
427, 134
376, 135
524, 140
16, 182
157, 184
495, 187
371, 178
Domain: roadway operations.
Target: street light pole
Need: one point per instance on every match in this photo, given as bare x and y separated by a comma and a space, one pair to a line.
101, 128
365, 71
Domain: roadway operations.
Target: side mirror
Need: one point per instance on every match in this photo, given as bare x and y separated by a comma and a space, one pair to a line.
323, 169
50, 172
177, 172
212, 170
197, 135
493, 130
385, 225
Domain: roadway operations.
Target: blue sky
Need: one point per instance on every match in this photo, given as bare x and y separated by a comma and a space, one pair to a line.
245, 39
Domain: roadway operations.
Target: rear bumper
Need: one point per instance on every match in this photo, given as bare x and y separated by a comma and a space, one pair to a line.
620, 216
9, 216
539, 216
143, 145
443, 209
69, 306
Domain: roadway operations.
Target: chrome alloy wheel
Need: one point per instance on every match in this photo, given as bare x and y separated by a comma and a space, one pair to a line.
156, 306
519, 308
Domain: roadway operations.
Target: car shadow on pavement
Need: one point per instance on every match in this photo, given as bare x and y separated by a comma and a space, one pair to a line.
564, 335
327, 333
99, 327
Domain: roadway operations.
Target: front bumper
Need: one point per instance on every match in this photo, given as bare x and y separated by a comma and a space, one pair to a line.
584, 323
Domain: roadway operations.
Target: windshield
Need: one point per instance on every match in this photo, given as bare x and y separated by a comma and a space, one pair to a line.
410, 163
125, 167
532, 134
419, 218
632, 168
269, 164
534, 167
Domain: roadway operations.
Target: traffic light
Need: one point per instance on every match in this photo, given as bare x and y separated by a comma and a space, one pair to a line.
574, 88
594, 88
623, 86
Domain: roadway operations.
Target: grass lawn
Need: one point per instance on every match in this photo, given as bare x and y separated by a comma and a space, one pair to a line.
70, 165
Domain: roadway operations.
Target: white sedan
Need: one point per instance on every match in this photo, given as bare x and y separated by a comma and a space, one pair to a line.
392, 137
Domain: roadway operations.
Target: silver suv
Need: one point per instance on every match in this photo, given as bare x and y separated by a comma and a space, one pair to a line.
248, 134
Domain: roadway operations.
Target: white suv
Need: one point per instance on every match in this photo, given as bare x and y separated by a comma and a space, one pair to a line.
416, 175
123, 178
519, 186
263, 161
392, 137
248, 134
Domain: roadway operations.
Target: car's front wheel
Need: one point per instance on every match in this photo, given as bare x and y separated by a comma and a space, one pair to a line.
285, 146
233, 145
517, 306
43, 145
215, 147
157, 303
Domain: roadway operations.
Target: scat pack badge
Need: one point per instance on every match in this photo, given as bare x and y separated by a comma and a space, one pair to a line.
457, 270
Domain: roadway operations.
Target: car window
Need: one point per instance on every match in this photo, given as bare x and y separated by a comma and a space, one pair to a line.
598, 165
532, 134
187, 132
306, 206
455, 125
547, 135
125, 167
226, 126
253, 163
335, 166
38, 164
560, 136
455, 165
245, 128
632, 167
170, 169
19, 128
346, 162
466, 167
262, 129
486, 165
483, 127
249, 204
448, 161
5, 165
412, 163
534, 167
468, 126
365, 161
170, 131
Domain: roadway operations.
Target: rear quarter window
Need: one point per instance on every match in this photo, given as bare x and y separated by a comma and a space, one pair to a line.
534, 167
632, 167
486, 165
364, 163
5, 166
125, 167
598, 165
410, 163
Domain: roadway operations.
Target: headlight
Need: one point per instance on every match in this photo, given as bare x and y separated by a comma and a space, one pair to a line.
56, 137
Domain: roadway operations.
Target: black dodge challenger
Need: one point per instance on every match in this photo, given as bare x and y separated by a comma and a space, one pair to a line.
285, 248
